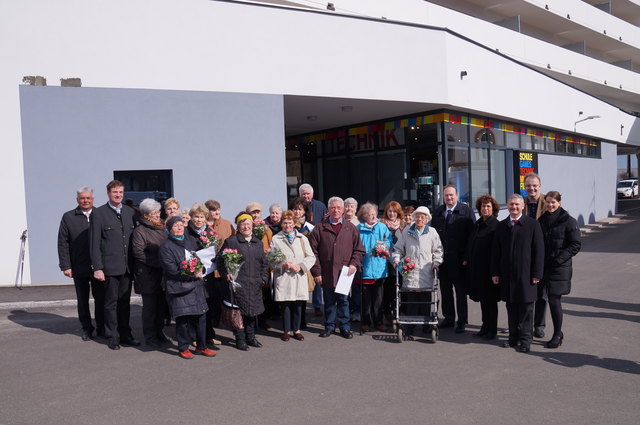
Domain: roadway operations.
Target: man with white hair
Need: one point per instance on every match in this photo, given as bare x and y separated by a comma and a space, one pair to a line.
75, 262
517, 264
336, 243
317, 208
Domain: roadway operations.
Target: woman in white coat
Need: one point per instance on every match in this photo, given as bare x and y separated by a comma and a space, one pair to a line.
290, 278
421, 244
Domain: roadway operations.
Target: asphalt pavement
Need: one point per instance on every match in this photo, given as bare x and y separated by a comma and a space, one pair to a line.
48, 375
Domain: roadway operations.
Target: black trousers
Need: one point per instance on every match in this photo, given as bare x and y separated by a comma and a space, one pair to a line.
389, 294
117, 298
520, 316
555, 308
291, 315
190, 328
540, 314
215, 291
153, 306
449, 306
372, 303
489, 315
249, 330
83, 286
270, 306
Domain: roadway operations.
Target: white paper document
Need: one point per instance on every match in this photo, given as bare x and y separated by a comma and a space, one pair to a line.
207, 255
344, 281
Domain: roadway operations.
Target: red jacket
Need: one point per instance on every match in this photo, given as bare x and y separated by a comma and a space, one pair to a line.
333, 250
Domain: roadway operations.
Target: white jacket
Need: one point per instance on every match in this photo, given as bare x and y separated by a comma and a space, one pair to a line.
289, 286
424, 250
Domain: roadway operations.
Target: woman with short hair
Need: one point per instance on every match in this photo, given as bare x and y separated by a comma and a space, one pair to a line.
146, 240
374, 268
290, 278
478, 262
350, 211
185, 291
251, 277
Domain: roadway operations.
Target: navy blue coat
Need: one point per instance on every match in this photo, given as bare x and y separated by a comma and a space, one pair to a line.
185, 294
455, 238
481, 287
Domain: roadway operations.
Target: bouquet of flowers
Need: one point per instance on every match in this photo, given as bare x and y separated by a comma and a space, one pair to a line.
191, 266
259, 228
407, 267
275, 257
381, 250
233, 262
209, 238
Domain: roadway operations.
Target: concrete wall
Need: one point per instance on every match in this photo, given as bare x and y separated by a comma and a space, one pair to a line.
587, 185
228, 147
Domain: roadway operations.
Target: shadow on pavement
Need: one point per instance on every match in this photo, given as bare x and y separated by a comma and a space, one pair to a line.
603, 315
61, 325
578, 360
594, 302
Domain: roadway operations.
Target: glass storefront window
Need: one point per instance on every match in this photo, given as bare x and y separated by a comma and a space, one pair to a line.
458, 171
549, 145
479, 173
512, 140
426, 133
336, 177
456, 132
391, 175
538, 143
498, 175
362, 178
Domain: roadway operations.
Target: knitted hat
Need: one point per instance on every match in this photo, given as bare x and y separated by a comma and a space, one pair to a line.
172, 220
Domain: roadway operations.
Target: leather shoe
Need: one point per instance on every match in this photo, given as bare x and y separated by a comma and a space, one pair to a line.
460, 329
365, 328
298, 336
326, 333
113, 344
538, 333
490, 335
524, 349
162, 337
447, 324
241, 345
346, 333
86, 335
481, 332
317, 311
254, 343
285, 337
131, 342
381, 328
555, 342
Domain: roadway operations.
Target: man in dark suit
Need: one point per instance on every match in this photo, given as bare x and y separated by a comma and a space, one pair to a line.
75, 262
110, 235
517, 264
454, 222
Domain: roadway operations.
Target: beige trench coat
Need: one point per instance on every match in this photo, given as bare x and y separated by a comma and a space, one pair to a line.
289, 286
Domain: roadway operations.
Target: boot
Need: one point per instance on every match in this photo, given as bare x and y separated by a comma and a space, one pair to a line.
241, 340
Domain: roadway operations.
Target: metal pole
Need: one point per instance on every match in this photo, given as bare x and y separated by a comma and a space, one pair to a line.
20, 271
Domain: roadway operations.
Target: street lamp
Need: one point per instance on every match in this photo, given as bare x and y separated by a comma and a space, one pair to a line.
590, 117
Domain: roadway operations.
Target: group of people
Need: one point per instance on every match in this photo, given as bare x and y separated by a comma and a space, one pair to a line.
203, 270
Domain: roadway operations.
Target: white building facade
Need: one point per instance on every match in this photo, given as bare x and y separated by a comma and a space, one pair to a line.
243, 101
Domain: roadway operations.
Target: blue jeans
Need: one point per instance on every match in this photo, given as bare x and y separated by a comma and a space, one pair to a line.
331, 300
316, 297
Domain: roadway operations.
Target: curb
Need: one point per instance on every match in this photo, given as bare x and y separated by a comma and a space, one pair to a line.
136, 299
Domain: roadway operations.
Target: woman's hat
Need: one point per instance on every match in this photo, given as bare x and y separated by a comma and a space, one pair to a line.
422, 210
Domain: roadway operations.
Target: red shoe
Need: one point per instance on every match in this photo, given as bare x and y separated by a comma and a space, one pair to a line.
186, 354
205, 352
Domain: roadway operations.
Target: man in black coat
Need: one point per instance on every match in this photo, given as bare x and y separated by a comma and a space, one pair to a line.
75, 262
110, 235
454, 223
517, 264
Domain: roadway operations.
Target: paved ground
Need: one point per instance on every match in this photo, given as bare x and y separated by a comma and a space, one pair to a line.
49, 376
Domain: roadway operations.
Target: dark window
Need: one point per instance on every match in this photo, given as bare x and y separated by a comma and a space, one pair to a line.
141, 184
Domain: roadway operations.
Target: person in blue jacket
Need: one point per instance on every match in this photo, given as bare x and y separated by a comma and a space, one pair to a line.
373, 234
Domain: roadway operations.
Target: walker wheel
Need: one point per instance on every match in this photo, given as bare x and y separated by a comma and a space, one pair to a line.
434, 334
400, 336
